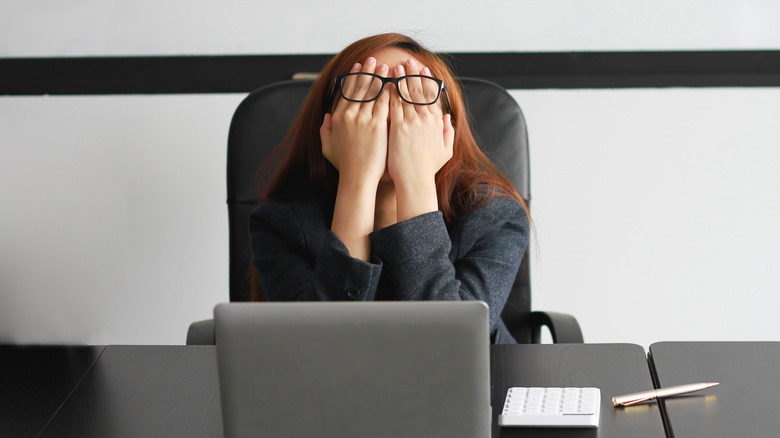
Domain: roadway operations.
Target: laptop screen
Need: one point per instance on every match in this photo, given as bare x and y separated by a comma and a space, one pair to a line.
379, 369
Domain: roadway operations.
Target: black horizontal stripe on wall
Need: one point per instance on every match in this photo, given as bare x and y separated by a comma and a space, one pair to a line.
243, 73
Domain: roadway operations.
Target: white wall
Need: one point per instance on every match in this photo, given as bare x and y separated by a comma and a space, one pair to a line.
145, 27
114, 225
655, 210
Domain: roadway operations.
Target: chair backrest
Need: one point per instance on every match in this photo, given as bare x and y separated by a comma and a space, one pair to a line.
266, 114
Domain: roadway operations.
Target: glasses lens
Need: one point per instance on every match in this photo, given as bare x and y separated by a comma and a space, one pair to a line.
360, 87
421, 90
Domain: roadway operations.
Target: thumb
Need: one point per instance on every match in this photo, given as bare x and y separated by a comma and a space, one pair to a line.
449, 134
325, 131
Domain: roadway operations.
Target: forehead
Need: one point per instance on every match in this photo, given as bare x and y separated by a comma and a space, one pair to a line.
393, 56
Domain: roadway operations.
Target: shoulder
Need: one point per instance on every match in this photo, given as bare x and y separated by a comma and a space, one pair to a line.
496, 220
495, 208
497, 230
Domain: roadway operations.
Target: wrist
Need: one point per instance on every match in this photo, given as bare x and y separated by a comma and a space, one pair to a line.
358, 179
414, 198
357, 188
353, 217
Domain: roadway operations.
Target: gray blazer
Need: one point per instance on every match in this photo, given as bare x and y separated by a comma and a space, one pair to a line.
474, 258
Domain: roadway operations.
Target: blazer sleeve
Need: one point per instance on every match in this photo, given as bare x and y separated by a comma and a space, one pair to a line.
299, 259
491, 241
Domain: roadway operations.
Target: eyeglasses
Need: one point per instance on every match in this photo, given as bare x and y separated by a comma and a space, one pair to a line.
413, 89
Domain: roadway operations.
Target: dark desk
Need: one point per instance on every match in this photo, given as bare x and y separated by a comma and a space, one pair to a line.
36, 381
169, 391
614, 368
145, 391
745, 404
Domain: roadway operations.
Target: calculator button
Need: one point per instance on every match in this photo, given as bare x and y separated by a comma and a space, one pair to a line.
551, 407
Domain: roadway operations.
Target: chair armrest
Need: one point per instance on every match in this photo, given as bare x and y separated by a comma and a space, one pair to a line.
201, 333
563, 327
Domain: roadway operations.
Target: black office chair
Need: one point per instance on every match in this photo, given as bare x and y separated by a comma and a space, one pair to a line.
263, 118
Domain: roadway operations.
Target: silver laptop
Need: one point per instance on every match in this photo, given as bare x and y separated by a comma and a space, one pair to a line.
369, 369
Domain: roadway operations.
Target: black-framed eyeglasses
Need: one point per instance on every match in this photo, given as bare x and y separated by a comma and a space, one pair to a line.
413, 89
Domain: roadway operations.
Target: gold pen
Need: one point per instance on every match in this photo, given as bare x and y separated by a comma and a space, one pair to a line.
639, 397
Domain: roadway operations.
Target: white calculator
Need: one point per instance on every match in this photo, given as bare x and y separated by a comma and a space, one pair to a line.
551, 407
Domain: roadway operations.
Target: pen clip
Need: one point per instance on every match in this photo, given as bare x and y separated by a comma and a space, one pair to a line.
635, 401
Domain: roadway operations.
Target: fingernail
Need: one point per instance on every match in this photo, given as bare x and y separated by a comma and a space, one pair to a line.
370, 61
399, 68
356, 67
411, 63
426, 71
383, 67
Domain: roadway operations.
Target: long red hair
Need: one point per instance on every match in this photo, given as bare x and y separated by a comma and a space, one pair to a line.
464, 183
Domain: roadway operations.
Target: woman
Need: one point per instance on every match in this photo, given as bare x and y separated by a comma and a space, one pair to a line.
383, 193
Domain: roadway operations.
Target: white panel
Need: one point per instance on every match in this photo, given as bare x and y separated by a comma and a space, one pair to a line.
150, 27
656, 211
656, 214
114, 223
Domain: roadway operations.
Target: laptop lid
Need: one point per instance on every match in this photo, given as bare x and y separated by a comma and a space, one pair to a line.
378, 369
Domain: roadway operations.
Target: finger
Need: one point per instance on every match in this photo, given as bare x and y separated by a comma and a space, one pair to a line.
449, 135
403, 90
415, 83
382, 104
368, 86
430, 91
349, 84
348, 87
325, 132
